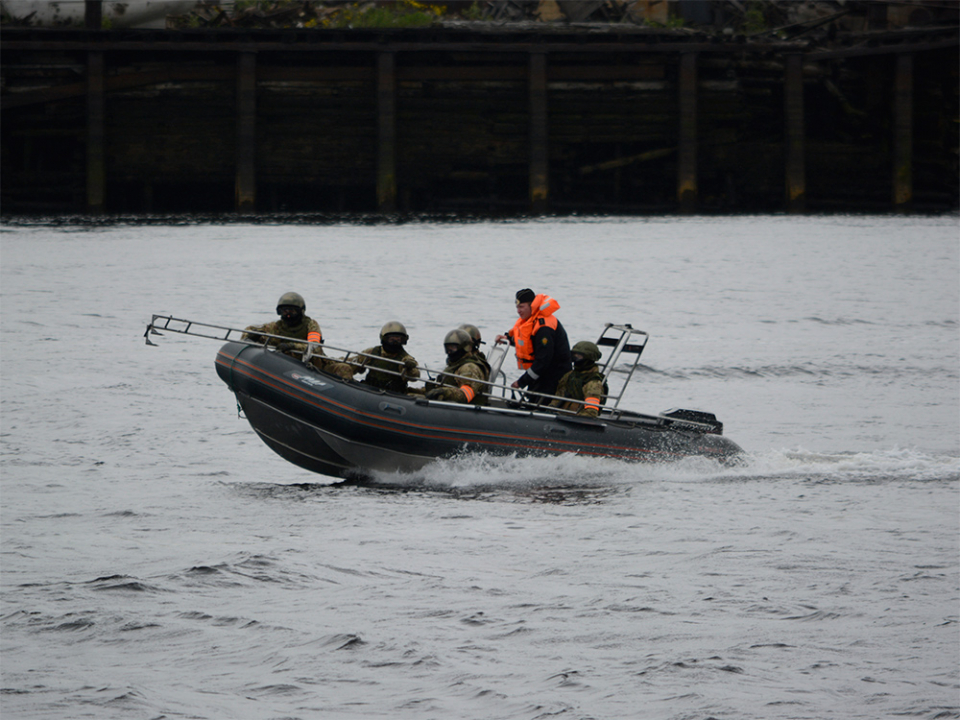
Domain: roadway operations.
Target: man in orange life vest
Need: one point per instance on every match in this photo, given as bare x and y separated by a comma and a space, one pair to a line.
540, 341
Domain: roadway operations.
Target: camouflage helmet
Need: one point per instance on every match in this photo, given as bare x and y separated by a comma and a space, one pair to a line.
394, 327
588, 349
293, 299
474, 332
460, 338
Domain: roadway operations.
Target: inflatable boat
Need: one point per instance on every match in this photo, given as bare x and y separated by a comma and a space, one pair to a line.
347, 429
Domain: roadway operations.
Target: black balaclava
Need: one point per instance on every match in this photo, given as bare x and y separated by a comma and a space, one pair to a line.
392, 343
291, 315
580, 362
452, 357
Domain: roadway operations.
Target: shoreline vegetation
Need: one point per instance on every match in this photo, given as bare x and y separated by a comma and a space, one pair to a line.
819, 21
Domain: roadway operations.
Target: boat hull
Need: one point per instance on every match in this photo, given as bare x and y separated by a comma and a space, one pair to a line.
346, 429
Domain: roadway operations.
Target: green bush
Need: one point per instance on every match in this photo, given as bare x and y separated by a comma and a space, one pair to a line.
405, 14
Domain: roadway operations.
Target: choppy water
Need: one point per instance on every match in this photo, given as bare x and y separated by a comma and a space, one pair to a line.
158, 561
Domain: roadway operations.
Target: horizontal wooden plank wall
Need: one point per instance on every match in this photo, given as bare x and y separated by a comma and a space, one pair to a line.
258, 125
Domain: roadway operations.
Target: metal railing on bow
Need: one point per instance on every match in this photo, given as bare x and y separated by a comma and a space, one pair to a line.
623, 339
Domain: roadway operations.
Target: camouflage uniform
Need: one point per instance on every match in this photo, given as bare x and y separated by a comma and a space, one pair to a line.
579, 385
481, 359
298, 332
376, 366
449, 387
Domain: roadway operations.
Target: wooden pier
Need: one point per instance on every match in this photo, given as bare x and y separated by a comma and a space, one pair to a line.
485, 120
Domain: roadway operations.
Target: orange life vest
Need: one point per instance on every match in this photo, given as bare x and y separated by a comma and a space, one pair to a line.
543, 307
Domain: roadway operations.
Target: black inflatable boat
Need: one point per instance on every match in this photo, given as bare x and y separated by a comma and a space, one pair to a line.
349, 430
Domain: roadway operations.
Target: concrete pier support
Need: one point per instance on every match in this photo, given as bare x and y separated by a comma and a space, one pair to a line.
795, 180
539, 149
96, 170
246, 180
387, 132
687, 193
903, 133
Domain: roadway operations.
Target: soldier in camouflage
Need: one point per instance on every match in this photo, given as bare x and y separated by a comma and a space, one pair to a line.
585, 382
461, 362
294, 324
474, 332
389, 358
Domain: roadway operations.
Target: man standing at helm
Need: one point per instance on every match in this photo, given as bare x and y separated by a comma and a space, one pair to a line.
295, 325
387, 359
541, 344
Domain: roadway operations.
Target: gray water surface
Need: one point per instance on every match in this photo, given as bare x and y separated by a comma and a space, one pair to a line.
159, 561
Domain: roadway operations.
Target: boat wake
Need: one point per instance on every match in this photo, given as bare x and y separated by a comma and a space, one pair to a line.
480, 472
472, 470
903, 464
564, 478
572, 480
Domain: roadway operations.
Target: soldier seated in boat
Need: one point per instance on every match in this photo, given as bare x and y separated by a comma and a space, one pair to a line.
389, 358
460, 362
474, 332
296, 325
585, 382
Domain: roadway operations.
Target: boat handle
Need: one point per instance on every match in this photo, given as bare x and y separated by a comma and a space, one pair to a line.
390, 407
556, 430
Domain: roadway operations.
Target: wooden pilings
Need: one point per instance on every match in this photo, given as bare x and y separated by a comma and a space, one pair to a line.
246, 170
903, 133
96, 174
795, 180
555, 116
387, 132
687, 154
539, 152
92, 14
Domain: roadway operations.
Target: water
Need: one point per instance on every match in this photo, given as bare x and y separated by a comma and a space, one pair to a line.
160, 562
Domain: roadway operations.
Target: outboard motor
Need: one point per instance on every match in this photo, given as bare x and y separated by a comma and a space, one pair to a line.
697, 416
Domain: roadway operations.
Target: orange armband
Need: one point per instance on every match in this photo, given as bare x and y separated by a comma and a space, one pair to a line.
468, 391
592, 402
314, 337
